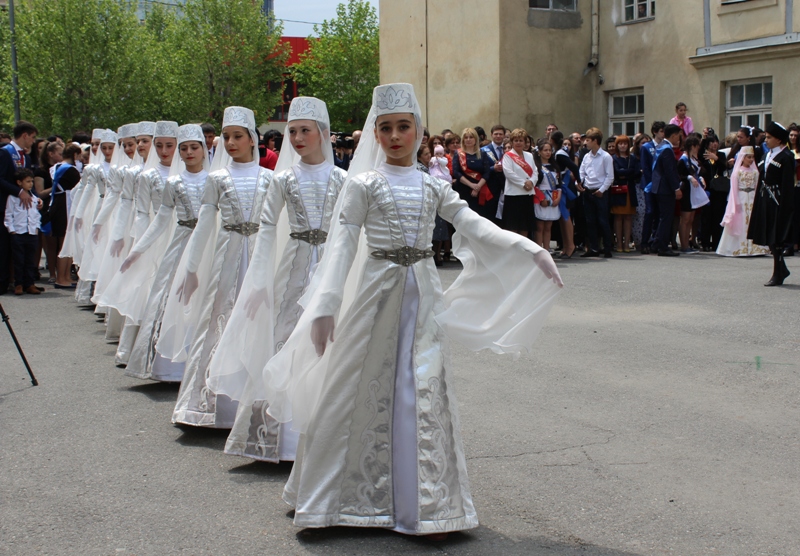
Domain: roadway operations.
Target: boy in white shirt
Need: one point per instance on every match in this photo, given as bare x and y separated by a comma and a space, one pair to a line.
23, 225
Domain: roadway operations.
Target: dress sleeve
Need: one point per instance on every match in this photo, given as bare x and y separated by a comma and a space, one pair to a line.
206, 221
501, 299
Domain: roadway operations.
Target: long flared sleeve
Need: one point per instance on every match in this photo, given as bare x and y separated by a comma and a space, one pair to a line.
160, 224
206, 219
501, 299
89, 188
143, 204
109, 201
248, 340
125, 205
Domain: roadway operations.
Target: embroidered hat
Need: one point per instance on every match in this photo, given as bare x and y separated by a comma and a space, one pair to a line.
309, 108
395, 98
166, 129
97, 133
127, 130
190, 132
238, 115
108, 136
747, 150
146, 128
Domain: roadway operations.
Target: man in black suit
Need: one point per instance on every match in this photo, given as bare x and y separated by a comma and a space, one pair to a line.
666, 188
13, 157
771, 220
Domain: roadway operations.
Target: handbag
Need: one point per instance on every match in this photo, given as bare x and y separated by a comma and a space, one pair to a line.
720, 184
619, 189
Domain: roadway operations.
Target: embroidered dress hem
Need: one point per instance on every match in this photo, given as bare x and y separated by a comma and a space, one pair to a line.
313, 521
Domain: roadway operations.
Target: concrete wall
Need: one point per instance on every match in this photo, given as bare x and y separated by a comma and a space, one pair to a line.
480, 62
444, 50
542, 78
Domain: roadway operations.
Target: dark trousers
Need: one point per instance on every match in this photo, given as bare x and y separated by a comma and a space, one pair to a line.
711, 217
596, 212
665, 203
25, 248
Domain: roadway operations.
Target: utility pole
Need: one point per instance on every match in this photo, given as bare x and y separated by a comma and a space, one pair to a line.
14, 80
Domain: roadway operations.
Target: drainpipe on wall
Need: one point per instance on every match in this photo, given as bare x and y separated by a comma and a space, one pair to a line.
595, 58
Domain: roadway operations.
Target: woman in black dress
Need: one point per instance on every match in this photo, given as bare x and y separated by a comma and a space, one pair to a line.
471, 169
689, 172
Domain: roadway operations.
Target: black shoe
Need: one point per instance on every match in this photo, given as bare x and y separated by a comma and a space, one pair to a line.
669, 253
788, 252
590, 253
774, 281
607, 255
644, 250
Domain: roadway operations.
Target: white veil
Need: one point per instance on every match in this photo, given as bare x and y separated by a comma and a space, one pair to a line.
248, 343
96, 158
292, 380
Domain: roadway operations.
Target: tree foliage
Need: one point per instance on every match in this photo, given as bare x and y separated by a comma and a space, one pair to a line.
92, 63
342, 64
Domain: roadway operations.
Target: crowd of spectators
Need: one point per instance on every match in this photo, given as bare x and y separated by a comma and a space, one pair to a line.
607, 195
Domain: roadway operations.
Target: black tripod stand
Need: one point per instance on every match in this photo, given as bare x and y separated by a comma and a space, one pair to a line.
19, 347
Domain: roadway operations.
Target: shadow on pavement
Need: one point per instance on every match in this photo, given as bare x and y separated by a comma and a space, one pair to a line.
201, 437
261, 472
156, 391
477, 541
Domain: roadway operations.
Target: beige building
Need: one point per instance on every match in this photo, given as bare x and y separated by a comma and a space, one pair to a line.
617, 64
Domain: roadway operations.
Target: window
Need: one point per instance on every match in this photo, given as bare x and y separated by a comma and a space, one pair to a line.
626, 112
636, 10
748, 103
570, 5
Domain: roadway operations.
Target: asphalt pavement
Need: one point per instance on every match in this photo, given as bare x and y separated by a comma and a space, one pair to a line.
659, 415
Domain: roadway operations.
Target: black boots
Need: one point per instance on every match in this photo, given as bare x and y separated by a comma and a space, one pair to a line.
779, 270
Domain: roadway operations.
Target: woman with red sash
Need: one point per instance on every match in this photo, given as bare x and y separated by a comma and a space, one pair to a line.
471, 169
521, 179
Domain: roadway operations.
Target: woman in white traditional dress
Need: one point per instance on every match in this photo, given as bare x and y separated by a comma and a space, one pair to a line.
90, 206
744, 180
180, 204
380, 442
139, 200
119, 229
73, 242
211, 272
307, 184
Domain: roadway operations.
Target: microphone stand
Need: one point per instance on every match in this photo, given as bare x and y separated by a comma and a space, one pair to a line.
19, 347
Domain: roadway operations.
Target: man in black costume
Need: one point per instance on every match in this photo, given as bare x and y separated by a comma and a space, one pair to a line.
771, 221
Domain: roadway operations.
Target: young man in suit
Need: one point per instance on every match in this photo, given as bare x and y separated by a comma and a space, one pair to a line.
771, 220
666, 189
13, 157
497, 180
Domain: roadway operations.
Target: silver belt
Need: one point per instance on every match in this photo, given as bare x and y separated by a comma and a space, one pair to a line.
405, 256
245, 228
191, 223
748, 189
102, 195
314, 237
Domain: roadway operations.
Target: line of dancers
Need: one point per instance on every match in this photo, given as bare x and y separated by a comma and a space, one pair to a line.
301, 308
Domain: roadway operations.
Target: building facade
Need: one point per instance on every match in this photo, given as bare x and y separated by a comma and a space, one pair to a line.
616, 64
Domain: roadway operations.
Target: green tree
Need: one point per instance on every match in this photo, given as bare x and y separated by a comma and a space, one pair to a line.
342, 64
225, 53
82, 64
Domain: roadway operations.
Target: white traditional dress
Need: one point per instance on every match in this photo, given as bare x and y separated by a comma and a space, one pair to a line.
381, 442
73, 241
236, 195
178, 210
734, 242
89, 209
302, 196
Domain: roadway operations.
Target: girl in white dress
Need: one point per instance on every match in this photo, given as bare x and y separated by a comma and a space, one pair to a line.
380, 442
303, 193
547, 196
212, 269
744, 181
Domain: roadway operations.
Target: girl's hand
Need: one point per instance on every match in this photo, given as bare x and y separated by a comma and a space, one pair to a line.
188, 287
132, 258
321, 331
546, 264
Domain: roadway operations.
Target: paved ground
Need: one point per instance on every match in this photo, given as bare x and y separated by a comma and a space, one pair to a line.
659, 416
